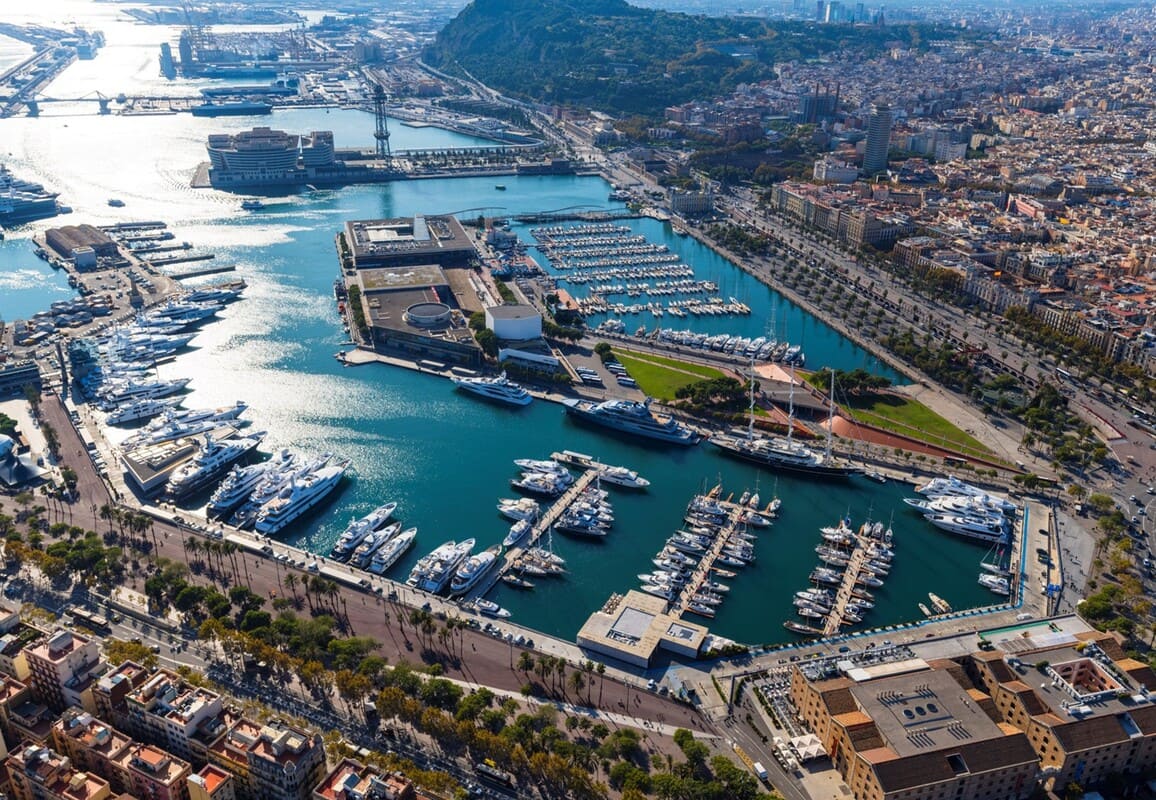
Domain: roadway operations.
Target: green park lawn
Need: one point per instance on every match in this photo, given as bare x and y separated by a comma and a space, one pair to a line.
660, 377
908, 417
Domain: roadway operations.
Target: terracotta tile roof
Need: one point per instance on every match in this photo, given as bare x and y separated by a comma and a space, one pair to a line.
1091, 732
934, 767
839, 701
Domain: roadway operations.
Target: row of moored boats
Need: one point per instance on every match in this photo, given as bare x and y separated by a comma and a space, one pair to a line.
189, 451
965, 510
375, 542
851, 564
715, 541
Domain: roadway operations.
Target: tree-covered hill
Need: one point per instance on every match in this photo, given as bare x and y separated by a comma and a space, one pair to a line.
609, 55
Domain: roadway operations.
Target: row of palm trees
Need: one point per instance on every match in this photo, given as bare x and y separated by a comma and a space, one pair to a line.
225, 566
129, 522
546, 666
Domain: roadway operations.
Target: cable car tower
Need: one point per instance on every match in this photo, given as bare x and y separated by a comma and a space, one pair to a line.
381, 132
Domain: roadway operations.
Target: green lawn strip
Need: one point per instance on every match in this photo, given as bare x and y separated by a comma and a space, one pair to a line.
698, 369
657, 380
911, 418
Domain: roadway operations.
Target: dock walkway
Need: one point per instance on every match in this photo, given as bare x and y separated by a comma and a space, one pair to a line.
544, 523
547, 520
843, 596
706, 563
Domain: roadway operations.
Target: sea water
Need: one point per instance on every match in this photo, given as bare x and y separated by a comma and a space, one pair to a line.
444, 457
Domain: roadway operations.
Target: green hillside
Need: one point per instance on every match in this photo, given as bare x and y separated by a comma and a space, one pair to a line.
608, 55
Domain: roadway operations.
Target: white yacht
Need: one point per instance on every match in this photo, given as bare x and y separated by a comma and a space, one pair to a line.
953, 486
629, 416
208, 464
269, 486
221, 413
983, 505
491, 609
548, 466
996, 583
544, 484
301, 494
388, 554
501, 389
433, 572
665, 591
470, 572
981, 529
619, 476
517, 532
129, 391
173, 424
137, 410
372, 543
183, 311
518, 509
355, 533
242, 481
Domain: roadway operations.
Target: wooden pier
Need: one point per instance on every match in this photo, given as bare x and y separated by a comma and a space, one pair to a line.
843, 596
545, 521
706, 563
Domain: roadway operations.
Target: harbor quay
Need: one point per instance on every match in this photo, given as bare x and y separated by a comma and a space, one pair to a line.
265, 159
116, 270
467, 291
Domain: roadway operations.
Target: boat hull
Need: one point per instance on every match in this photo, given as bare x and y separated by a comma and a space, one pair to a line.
829, 472
683, 438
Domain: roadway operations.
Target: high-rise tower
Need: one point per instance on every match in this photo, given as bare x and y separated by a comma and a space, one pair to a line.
878, 140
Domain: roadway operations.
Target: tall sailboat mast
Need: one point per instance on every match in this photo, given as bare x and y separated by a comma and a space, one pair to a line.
751, 407
830, 418
791, 407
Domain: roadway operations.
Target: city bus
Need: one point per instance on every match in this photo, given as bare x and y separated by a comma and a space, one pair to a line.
1063, 374
94, 621
488, 771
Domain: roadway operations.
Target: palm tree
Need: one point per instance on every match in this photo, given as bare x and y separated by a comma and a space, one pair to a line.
230, 549
560, 672
601, 670
307, 585
291, 582
525, 662
106, 513
138, 524
544, 666
576, 681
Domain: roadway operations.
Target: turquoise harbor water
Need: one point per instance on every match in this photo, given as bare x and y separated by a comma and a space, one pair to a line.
445, 458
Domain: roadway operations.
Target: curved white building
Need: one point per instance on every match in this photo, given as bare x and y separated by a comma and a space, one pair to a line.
263, 156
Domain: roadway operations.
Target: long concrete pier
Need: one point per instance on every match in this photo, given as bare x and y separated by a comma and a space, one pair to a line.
547, 520
706, 563
514, 554
843, 596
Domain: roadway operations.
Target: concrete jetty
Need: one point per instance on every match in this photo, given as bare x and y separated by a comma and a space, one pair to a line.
701, 573
843, 596
547, 519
